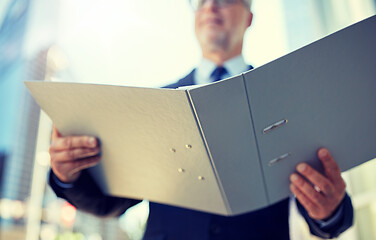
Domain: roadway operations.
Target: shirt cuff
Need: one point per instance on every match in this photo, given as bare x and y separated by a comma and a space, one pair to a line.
331, 221
60, 183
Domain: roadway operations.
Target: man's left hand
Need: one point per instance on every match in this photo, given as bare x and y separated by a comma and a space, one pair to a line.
319, 194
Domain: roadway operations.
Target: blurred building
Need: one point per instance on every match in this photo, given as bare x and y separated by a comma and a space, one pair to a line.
2, 163
12, 72
19, 165
17, 118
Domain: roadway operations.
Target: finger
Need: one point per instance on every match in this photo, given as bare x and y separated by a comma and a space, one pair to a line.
331, 168
71, 142
55, 133
316, 178
74, 154
307, 189
70, 171
85, 163
311, 207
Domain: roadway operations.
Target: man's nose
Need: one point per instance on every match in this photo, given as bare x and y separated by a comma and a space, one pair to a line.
210, 4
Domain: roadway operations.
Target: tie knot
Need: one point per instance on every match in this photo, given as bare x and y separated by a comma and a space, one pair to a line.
218, 73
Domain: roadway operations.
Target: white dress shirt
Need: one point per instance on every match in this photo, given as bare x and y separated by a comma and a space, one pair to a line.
205, 68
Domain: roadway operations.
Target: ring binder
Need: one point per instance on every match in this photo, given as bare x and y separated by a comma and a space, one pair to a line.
274, 126
278, 159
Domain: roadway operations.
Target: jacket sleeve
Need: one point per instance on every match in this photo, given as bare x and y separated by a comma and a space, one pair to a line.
343, 221
85, 195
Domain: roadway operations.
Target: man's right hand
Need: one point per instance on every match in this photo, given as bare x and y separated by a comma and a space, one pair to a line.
70, 155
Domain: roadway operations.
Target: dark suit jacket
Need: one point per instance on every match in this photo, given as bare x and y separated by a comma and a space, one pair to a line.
168, 222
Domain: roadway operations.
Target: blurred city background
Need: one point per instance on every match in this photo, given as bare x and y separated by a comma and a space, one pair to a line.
134, 43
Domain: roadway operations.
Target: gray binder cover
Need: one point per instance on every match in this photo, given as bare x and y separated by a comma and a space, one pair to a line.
229, 147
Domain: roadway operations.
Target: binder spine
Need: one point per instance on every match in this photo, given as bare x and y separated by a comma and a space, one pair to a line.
257, 144
220, 186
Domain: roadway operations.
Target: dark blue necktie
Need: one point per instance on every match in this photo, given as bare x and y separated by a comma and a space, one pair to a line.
218, 73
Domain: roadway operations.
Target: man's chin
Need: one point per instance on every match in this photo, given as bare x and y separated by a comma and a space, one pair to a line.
213, 39
215, 45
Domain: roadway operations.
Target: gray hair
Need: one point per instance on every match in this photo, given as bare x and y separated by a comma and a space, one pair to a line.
247, 3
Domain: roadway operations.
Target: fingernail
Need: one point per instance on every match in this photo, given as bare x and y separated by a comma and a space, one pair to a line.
301, 167
294, 177
92, 142
323, 153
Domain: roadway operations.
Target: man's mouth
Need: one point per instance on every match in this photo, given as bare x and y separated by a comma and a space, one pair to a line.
213, 22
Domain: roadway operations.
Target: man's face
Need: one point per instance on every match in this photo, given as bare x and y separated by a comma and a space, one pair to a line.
222, 28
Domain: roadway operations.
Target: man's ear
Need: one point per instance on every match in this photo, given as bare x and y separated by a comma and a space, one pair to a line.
250, 19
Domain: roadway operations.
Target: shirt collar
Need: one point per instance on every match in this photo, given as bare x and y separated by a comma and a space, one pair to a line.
234, 66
